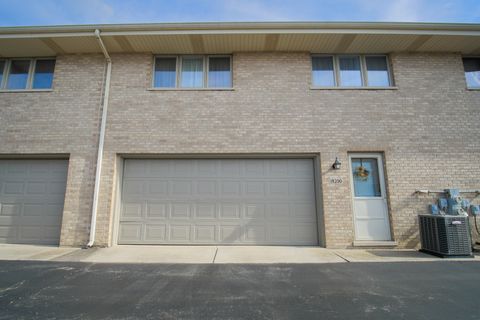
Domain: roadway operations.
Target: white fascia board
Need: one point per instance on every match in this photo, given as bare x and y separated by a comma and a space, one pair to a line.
219, 28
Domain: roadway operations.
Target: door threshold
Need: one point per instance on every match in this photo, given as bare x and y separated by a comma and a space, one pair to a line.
369, 243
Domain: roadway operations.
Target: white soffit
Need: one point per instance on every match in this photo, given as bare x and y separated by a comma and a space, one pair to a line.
468, 44
380, 43
166, 44
316, 43
77, 44
25, 48
234, 43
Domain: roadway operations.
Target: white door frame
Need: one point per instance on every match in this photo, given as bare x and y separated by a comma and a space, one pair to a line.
381, 177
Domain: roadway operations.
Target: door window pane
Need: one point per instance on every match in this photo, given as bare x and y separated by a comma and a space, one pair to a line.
18, 76
43, 77
377, 71
192, 72
350, 74
472, 72
2, 67
219, 75
322, 72
165, 72
366, 182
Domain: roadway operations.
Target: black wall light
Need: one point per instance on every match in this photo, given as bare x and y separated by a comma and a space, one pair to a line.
337, 164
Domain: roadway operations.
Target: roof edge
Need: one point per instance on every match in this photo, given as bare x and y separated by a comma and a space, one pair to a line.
244, 26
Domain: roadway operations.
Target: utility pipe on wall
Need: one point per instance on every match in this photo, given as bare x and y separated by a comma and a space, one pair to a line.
426, 191
101, 140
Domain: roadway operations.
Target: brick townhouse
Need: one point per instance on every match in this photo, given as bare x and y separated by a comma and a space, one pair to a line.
234, 133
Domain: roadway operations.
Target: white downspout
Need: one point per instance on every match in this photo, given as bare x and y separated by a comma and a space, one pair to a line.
101, 141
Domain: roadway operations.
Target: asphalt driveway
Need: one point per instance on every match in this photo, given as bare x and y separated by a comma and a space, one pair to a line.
395, 290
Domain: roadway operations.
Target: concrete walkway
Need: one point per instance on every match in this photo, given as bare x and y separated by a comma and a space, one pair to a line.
212, 254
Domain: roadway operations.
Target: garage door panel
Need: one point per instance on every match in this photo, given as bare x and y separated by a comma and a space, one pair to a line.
304, 233
7, 232
230, 233
218, 201
134, 187
255, 189
205, 188
205, 233
179, 232
156, 210
205, 211
155, 232
13, 187
32, 195
132, 210
180, 211
10, 209
255, 168
254, 211
158, 188
255, 233
31, 232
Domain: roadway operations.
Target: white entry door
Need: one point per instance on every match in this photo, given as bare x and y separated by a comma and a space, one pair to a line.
369, 198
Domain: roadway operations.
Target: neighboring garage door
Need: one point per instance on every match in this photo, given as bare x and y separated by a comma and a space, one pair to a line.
221, 201
31, 198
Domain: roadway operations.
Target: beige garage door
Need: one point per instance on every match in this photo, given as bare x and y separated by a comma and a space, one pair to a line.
31, 200
218, 201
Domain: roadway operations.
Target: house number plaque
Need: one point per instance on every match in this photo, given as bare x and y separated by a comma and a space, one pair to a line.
336, 180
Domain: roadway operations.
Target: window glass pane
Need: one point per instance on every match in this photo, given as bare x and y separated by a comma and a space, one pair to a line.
18, 76
350, 75
322, 72
377, 71
219, 75
2, 67
366, 182
43, 77
165, 72
472, 72
192, 72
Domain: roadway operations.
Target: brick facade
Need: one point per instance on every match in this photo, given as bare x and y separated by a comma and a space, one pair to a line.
427, 128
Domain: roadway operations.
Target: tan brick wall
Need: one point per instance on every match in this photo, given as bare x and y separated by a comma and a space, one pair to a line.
427, 130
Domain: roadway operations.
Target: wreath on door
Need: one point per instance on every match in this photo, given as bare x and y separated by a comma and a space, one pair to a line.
361, 173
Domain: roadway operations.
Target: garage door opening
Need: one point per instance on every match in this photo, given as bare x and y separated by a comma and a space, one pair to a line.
32, 194
218, 202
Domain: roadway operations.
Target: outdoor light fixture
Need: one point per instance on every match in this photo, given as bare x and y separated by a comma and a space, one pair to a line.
337, 164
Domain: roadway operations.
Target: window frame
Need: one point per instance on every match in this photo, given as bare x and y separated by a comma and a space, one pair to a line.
178, 71
362, 78
335, 83
389, 69
30, 75
363, 71
464, 73
207, 70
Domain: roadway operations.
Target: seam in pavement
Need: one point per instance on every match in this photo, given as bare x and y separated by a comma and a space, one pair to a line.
215, 256
341, 257
62, 255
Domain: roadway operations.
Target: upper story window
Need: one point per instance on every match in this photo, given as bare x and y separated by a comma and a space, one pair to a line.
472, 72
24, 74
192, 72
351, 71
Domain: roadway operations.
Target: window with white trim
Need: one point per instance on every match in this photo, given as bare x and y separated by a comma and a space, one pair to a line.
471, 66
26, 74
350, 71
192, 72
